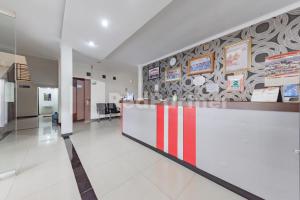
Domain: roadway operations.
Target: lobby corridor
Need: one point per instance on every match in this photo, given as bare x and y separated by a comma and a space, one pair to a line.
118, 168
121, 169
43, 169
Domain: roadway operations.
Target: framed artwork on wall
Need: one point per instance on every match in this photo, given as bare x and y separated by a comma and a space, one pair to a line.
173, 74
47, 97
237, 57
153, 73
202, 64
282, 69
235, 83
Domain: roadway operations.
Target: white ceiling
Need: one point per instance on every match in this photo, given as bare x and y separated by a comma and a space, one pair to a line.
38, 26
82, 22
138, 31
42, 25
184, 23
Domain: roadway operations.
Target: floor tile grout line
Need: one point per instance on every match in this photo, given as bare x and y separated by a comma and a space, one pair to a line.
41, 189
139, 171
119, 186
75, 156
185, 187
157, 187
160, 159
17, 169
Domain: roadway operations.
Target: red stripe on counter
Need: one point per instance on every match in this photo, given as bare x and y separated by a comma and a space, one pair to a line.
189, 134
160, 127
173, 130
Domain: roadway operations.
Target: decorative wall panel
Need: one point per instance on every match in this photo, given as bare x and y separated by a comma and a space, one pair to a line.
277, 35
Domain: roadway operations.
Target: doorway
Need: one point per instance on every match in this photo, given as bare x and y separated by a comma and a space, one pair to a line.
81, 99
47, 105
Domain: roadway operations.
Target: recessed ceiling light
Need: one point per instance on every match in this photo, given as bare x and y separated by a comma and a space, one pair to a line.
104, 23
91, 44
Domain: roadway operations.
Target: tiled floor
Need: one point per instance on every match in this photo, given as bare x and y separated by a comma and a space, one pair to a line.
43, 167
118, 168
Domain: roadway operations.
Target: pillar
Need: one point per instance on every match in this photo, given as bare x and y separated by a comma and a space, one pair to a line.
140, 82
66, 89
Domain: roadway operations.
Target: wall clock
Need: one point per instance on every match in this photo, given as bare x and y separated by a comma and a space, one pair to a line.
173, 61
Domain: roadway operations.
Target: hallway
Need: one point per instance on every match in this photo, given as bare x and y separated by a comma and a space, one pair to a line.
43, 167
113, 163
116, 165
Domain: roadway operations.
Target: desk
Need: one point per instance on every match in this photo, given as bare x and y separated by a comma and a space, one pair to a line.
250, 146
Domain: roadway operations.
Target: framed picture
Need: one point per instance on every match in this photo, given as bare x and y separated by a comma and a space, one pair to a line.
173, 74
202, 64
237, 57
282, 69
235, 83
47, 97
153, 73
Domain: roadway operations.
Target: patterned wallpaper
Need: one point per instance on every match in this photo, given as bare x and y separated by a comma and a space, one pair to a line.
274, 36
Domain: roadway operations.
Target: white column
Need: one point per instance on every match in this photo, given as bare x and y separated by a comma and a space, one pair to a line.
140, 82
66, 89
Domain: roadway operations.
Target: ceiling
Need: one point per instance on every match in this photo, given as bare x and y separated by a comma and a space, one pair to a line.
42, 25
82, 23
38, 26
184, 23
138, 31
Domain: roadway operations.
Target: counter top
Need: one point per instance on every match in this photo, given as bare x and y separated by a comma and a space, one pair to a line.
265, 106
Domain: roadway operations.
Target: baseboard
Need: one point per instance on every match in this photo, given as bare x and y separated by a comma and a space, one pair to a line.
104, 118
207, 175
4, 135
66, 135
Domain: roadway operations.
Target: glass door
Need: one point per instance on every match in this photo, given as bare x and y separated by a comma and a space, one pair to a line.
8, 154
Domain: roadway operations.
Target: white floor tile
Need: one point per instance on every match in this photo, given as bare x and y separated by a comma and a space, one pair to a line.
137, 188
118, 168
203, 189
109, 176
5, 186
169, 177
63, 190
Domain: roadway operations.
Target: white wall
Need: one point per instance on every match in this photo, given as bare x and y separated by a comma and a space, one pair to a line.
48, 107
97, 96
27, 102
125, 79
44, 72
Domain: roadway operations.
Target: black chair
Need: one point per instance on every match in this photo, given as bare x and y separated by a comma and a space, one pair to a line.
102, 109
113, 108
107, 109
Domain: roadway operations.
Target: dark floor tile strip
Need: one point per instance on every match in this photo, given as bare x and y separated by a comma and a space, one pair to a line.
83, 183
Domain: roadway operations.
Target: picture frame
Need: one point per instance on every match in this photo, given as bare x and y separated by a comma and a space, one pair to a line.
173, 74
47, 97
235, 83
153, 73
201, 64
237, 56
282, 69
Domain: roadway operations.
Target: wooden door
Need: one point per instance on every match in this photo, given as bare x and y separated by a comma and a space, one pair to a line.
87, 97
80, 100
74, 99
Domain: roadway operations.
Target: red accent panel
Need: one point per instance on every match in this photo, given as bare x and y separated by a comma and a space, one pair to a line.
189, 134
173, 130
160, 127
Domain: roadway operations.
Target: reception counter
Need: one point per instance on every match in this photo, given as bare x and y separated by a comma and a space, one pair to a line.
249, 148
